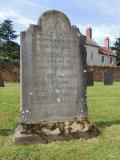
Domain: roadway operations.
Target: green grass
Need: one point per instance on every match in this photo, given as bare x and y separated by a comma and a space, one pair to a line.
104, 111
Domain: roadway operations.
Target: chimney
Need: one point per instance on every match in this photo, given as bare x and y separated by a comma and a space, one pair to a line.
106, 42
89, 32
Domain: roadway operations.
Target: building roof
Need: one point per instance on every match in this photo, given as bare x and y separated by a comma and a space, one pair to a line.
104, 50
91, 42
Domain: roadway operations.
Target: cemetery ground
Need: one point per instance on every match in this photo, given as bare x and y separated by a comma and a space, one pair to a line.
104, 111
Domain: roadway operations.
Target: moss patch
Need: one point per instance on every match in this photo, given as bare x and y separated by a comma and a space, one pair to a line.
64, 127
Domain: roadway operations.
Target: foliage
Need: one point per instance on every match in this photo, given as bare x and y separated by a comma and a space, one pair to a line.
8, 48
104, 111
116, 48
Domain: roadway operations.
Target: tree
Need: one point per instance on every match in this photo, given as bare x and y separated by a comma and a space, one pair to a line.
116, 48
8, 46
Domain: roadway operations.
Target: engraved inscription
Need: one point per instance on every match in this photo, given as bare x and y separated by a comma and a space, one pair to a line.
52, 70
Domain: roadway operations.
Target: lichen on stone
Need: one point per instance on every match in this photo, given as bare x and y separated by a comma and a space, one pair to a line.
59, 128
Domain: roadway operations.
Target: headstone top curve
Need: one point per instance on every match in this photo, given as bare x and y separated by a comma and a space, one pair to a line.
54, 13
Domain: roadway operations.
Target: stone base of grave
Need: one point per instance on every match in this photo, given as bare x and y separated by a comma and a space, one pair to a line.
46, 132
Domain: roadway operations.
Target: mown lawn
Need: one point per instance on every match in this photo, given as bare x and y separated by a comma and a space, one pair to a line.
104, 111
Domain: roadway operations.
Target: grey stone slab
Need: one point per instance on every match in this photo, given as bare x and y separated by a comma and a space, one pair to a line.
1, 81
90, 78
108, 77
53, 82
53, 60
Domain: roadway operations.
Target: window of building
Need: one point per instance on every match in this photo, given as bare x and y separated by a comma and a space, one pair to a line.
91, 55
110, 60
102, 59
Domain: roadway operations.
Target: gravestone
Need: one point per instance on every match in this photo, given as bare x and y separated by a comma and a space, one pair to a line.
108, 77
53, 88
89, 78
1, 81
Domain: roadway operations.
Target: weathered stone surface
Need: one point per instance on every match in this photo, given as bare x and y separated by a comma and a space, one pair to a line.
108, 77
53, 61
52, 64
89, 78
1, 81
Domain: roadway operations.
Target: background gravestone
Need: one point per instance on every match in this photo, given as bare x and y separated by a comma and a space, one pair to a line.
89, 78
53, 88
108, 77
1, 81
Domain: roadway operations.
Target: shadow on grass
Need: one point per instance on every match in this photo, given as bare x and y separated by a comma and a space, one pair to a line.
6, 132
104, 124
